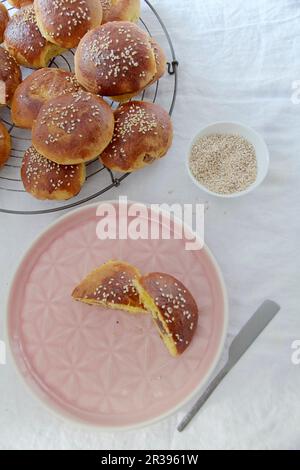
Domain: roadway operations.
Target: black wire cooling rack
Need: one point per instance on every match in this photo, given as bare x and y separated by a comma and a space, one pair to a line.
14, 199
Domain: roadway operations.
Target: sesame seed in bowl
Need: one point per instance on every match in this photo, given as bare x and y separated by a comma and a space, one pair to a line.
228, 159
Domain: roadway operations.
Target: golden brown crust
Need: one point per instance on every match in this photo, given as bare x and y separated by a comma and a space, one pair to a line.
65, 22
20, 3
115, 59
73, 128
10, 76
111, 285
177, 307
44, 179
161, 62
38, 88
160, 59
143, 133
3, 20
24, 41
5, 145
121, 10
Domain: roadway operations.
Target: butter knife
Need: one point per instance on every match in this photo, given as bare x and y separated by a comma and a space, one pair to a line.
241, 343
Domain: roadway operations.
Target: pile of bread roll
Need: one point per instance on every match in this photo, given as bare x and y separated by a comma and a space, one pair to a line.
71, 122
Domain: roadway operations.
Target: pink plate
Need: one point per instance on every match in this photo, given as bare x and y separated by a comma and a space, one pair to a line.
107, 368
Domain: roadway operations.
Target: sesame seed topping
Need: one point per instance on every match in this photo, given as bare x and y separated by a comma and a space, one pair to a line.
121, 289
64, 19
42, 175
60, 117
131, 120
22, 32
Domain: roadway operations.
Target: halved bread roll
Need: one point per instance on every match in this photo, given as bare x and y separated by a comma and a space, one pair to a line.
112, 286
173, 309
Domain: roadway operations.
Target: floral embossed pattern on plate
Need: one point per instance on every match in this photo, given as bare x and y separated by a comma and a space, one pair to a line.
99, 367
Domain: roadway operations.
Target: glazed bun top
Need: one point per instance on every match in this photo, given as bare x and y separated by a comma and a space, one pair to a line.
115, 59
38, 88
143, 133
10, 76
65, 22
3, 20
112, 285
23, 33
73, 128
48, 180
24, 41
176, 308
121, 10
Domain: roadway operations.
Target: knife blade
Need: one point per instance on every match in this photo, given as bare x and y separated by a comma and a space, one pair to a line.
241, 343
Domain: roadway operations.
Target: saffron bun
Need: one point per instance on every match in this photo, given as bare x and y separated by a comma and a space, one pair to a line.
65, 22
112, 286
5, 145
10, 77
73, 128
20, 3
24, 41
116, 59
161, 63
173, 309
44, 179
3, 20
38, 88
121, 10
143, 133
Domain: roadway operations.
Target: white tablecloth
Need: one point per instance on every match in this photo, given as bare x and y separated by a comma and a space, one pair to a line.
238, 61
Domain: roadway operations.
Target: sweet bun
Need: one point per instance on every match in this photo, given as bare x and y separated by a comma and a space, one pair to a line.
44, 179
4, 145
10, 77
3, 20
173, 309
38, 88
73, 128
20, 3
111, 285
143, 133
65, 22
161, 62
24, 41
116, 59
121, 10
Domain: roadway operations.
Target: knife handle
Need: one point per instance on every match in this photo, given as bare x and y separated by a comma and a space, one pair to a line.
202, 400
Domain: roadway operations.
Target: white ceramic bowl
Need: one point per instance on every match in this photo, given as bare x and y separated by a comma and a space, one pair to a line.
261, 149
